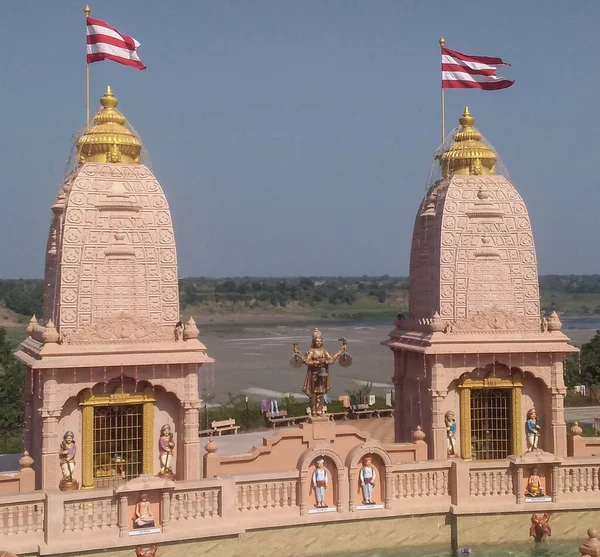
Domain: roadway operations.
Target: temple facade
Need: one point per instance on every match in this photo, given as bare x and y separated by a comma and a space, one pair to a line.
475, 355
110, 362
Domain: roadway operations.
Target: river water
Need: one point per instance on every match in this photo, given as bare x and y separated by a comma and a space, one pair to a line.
255, 360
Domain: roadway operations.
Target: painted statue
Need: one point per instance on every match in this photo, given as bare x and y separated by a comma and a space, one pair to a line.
367, 477
540, 529
450, 433
67, 454
533, 431
317, 381
166, 447
534, 485
143, 517
150, 552
319, 483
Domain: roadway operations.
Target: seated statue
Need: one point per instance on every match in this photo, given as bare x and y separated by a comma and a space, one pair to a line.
143, 517
534, 485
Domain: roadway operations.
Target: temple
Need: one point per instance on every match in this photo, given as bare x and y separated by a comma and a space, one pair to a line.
114, 464
474, 344
110, 360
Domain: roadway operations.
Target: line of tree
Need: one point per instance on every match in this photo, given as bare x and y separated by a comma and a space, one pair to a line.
24, 296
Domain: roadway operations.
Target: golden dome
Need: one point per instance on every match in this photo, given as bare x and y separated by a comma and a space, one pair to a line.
468, 155
109, 140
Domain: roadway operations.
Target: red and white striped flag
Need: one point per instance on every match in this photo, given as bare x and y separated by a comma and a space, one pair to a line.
461, 71
106, 43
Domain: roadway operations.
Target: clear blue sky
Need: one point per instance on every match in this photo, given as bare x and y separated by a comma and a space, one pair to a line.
296, 137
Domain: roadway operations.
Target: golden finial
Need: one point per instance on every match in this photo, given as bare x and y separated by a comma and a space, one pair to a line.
442, 42
109, 140
468, 155
87, 11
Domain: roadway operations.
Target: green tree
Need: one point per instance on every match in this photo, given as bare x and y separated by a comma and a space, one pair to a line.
588, 373
12, 383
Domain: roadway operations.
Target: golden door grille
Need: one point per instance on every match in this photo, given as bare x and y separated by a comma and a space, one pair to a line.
117, 443
491, 423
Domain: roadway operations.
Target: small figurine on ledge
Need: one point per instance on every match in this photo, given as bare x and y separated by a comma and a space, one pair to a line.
533, 431
367, 476
165, 449
317, 381
534, 485
178, 331
67, 454
143, 517
319, 483
450, 432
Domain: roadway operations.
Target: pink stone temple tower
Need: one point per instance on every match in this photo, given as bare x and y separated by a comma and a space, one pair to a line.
474, 341
110, 360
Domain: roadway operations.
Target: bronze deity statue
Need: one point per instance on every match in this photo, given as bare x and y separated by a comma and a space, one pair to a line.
66, 454
317, 382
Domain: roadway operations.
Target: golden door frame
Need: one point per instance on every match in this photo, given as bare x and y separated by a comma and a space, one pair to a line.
88, 400
515, 384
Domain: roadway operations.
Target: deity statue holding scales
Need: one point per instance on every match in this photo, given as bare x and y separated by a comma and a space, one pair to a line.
317, 381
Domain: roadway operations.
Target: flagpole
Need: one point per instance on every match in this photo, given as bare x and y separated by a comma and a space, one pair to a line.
442, 43
87, 11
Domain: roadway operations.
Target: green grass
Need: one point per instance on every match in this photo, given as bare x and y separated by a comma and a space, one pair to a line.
571, 303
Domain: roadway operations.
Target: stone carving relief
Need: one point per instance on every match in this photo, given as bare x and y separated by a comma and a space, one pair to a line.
494, 319
116, 237
119, 328
477, 219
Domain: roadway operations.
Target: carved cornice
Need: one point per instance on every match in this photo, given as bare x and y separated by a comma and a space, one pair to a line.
496, 320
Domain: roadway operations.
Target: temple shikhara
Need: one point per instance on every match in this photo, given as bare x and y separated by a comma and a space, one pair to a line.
115, 464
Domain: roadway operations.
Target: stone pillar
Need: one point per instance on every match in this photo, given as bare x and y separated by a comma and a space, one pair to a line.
556, 487
438, 445
352, 495
342, 490
123, 517
388, 487
559, 427
50, 466
165, 511
302, 495
192, 463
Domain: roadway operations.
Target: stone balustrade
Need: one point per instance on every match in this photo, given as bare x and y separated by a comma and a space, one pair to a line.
423, 480
490, 479
268, 492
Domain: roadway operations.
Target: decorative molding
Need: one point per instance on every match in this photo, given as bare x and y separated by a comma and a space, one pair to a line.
118, 397
495, 319
120, 328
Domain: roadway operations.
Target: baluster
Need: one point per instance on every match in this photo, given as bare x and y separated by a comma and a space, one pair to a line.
445, 482
114, 515
188, 506
580, 478
594, 479
294, 493
77, 517
472, 484
439, 475
480, 489
105, 513
39, 517
10, 520
96, 517
430, 486
20, 520
29, 529
251, 497
503, 478
495, 483
588, 478
423, 486
86, 507
194, 504
276, 496
173, 507
510, 484
68, 518
214, 509
244, 504
259, 489
181, 506
414, 486
560, 482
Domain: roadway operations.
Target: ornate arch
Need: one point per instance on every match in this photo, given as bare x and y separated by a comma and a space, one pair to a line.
305, 460
355, 455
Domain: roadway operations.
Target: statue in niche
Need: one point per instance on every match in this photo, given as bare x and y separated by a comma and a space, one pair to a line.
179, 331
533, 431
450, 421
319, 483
67, 454
534, 485
367, 477
540, 529
143, 517
166, 447
317, 381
